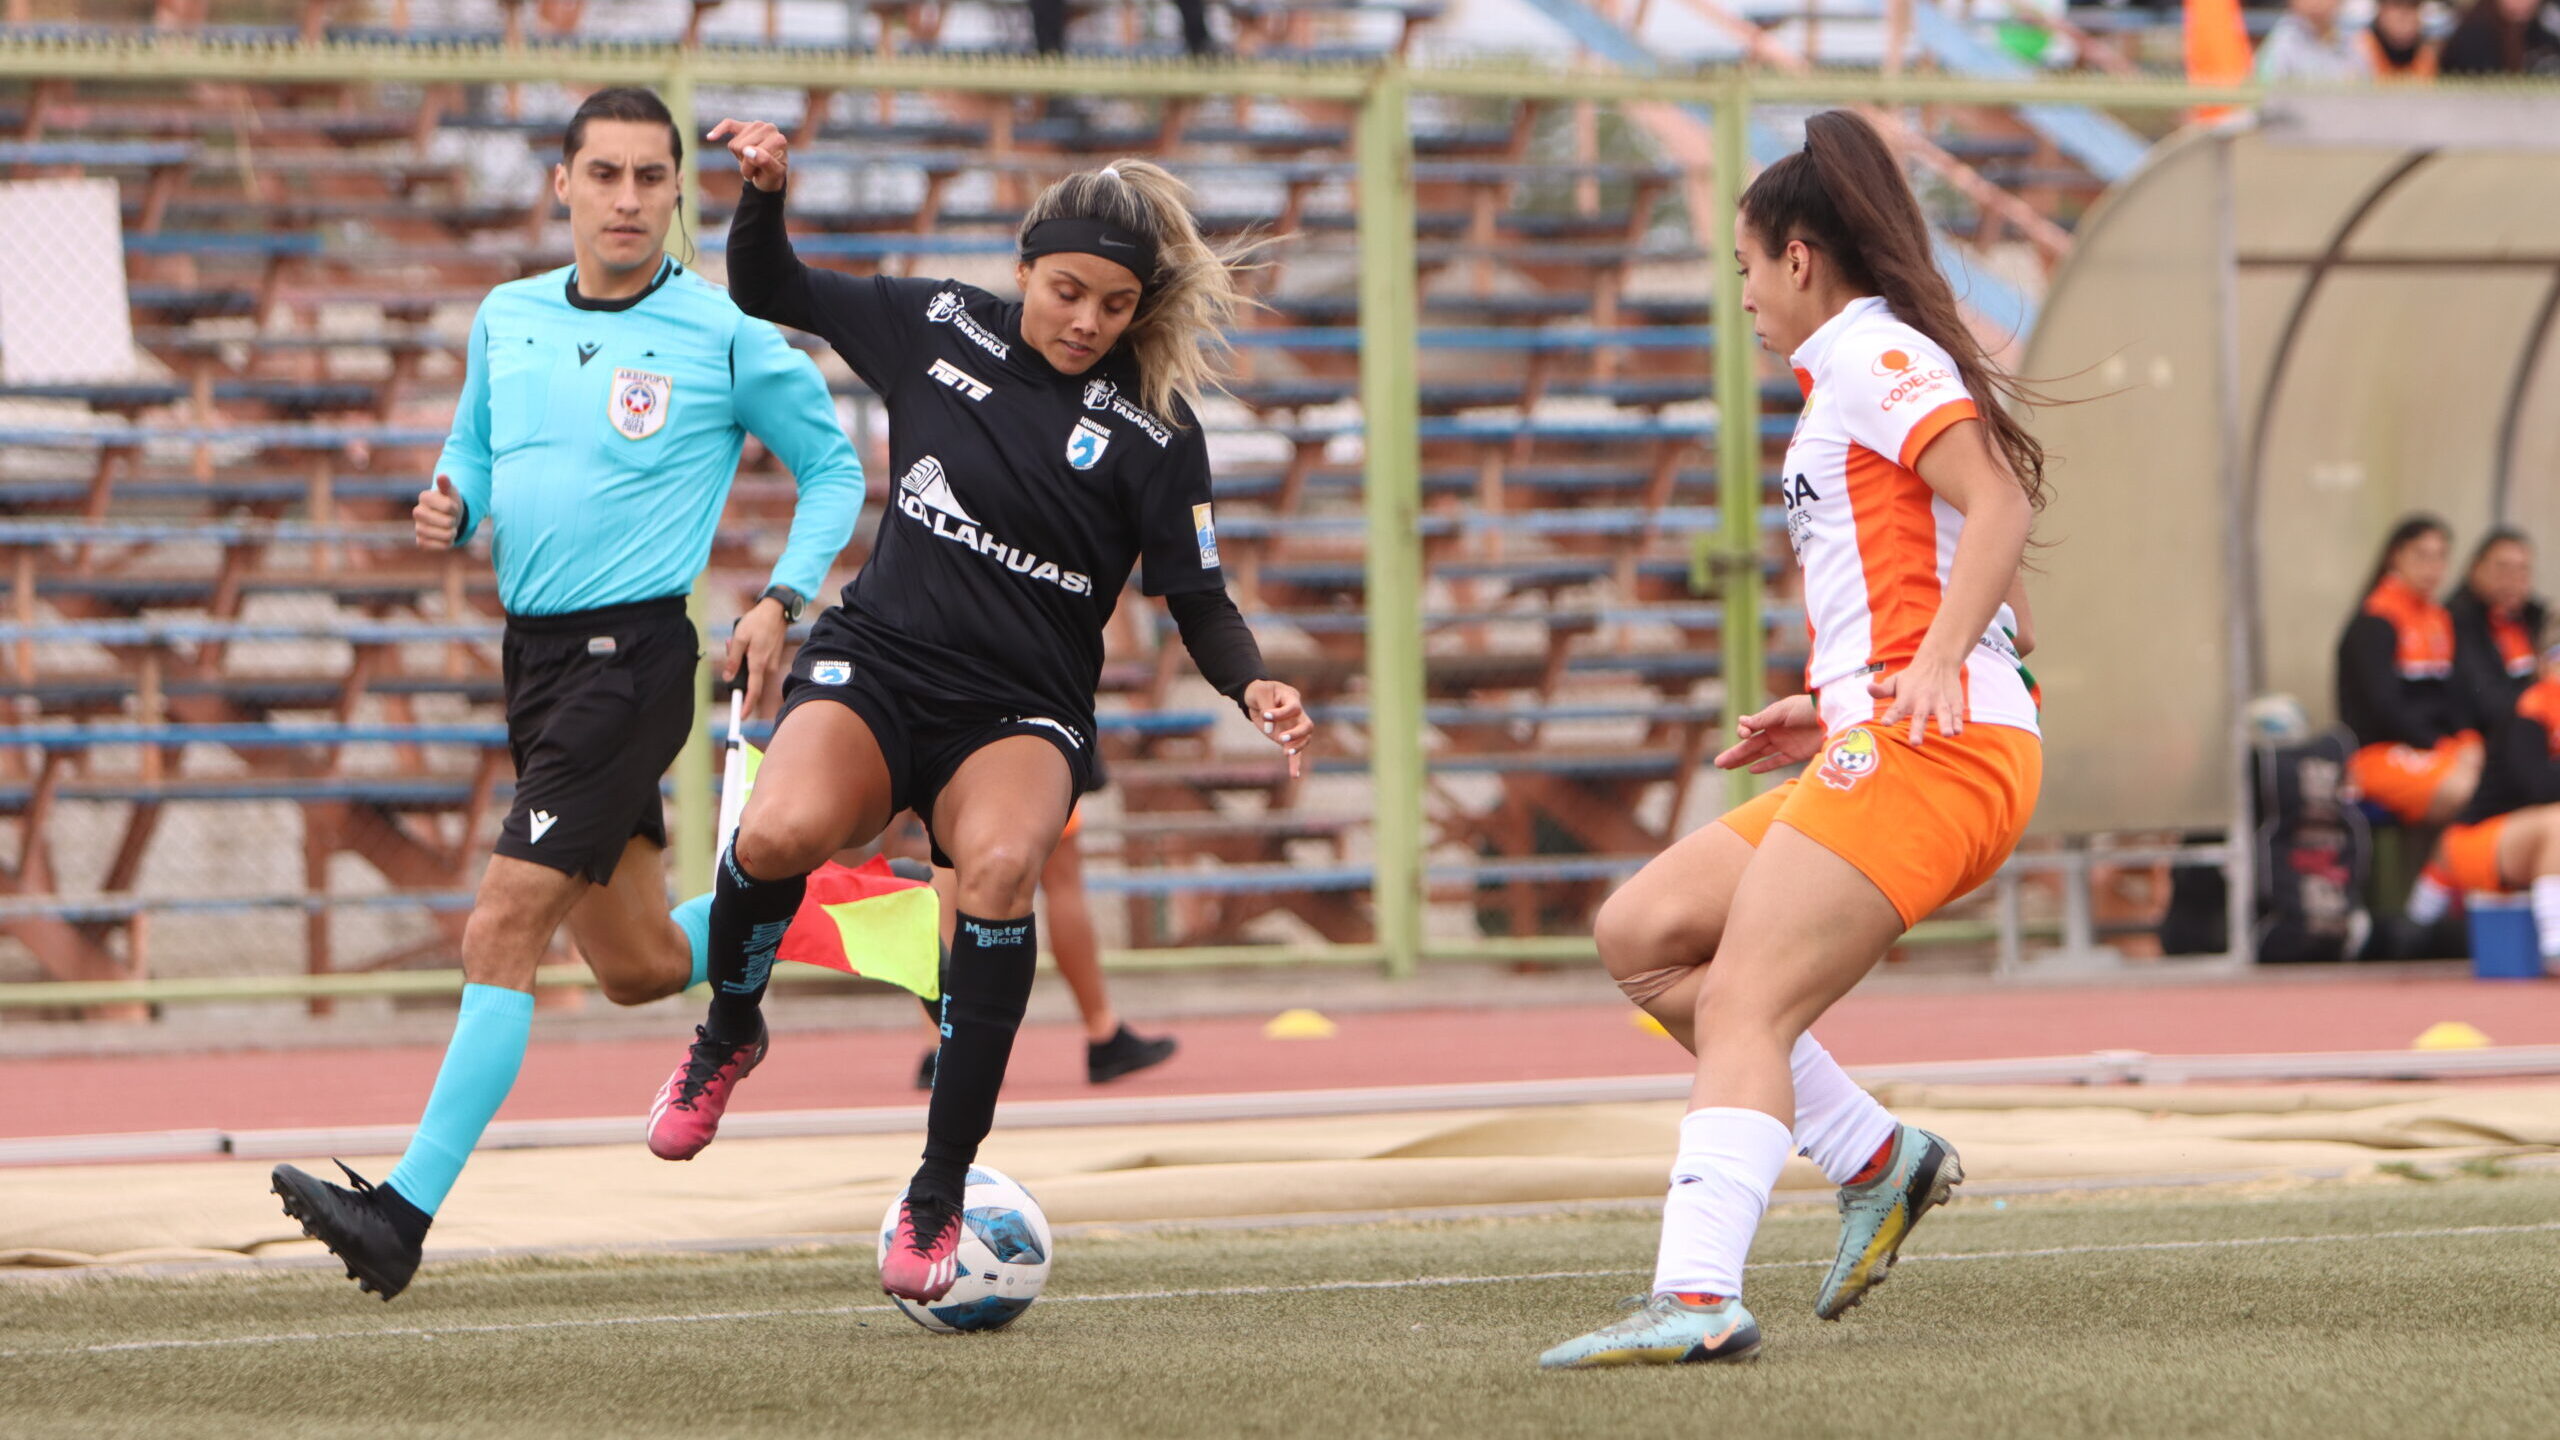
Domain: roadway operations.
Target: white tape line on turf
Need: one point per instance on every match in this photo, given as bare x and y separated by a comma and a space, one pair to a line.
1321, 1287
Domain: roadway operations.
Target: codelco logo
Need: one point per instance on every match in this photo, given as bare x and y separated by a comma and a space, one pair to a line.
1902, 367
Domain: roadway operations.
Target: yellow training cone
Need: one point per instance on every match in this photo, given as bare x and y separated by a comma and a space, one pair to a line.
1643, 1020
2450, 1035
1298, 1025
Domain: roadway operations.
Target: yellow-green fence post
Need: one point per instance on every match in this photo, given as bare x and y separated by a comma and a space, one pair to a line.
697, 813
1390, 402
1737, 551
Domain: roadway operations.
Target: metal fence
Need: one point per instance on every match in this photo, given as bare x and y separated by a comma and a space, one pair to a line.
1380, 95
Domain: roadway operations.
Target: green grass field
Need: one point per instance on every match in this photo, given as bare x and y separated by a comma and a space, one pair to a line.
2394, 1309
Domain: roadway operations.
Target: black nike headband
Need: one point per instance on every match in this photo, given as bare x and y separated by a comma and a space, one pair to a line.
1074, 235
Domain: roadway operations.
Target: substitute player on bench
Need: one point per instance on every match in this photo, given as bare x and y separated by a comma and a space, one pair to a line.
603, 409
1043, 449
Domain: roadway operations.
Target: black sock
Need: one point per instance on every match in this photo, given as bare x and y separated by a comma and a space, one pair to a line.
748, 917
983, 996
407, 1220
933, 1009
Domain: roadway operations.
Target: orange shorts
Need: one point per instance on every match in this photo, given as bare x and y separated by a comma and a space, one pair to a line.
2404, 779
1925, 823
2467, 857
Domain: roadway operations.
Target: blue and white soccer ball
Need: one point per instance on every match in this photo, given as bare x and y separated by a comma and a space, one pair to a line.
1004, 1257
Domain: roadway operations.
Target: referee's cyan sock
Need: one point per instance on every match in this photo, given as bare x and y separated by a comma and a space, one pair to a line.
480, 1064
693, 917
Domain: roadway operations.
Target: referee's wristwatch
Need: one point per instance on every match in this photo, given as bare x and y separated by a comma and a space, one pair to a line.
791, 601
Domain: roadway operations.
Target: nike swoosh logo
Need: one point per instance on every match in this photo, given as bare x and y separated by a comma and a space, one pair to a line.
1119, 244
542, 821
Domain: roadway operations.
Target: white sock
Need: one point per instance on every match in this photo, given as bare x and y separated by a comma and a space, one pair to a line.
2429, 899
2546, 915
1839, 1127
1729, 1162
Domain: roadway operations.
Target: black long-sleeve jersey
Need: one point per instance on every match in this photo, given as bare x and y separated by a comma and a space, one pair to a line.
2493, 657
2395, 670
1023, 497
2522, 764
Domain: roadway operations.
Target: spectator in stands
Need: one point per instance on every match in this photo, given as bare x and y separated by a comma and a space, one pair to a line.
2396, 43
604, 483
2505, 37
2495, 620
1049, 27
2307, 43
1045, 446
2508, 838
2395, 684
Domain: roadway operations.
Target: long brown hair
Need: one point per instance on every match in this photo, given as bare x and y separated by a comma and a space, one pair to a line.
1844, 195
1179, 333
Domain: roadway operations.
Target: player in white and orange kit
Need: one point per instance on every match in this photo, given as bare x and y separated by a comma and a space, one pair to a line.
1909, 494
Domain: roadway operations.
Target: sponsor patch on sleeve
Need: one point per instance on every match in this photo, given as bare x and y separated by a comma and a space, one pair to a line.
1205, 530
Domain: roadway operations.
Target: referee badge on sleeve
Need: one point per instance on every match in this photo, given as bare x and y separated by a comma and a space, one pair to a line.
637, 403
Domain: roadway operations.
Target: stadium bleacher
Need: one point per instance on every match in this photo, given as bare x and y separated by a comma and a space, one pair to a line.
214, 602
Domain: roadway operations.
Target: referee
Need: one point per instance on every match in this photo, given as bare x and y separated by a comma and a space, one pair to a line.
1045, 448
603, 410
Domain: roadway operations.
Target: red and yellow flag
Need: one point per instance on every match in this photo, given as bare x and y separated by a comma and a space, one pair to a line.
859, 919
862, 920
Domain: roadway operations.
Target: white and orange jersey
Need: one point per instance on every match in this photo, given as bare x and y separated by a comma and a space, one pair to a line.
1875, 542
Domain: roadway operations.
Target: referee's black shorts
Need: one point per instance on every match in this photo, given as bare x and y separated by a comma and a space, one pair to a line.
598, 704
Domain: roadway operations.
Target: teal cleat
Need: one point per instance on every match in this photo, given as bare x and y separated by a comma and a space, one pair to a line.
1663, 1331
1876, 1217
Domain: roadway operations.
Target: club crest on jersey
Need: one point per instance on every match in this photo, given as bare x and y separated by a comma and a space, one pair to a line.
1086, 443
831, 672
637, 403
1851, 758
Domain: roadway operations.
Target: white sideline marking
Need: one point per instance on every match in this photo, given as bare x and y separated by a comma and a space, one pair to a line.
1428, 1282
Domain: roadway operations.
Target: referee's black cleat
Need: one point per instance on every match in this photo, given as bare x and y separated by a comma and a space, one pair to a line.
375, 1231
1126, 1053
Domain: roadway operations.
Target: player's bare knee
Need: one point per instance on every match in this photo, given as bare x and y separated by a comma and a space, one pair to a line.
1638, 941
779, 842
999, 878
624, 989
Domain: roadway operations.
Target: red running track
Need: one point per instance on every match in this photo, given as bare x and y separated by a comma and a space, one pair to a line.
576, 1079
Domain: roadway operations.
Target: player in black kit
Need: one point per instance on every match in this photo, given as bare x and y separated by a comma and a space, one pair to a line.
1042, 448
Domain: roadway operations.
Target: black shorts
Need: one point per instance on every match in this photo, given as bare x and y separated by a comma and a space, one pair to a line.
923, 738
598, 704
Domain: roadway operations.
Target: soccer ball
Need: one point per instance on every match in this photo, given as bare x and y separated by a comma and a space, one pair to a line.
1004, 1257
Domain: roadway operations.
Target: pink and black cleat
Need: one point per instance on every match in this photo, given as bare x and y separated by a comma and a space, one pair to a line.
923, 1255
687, 1112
